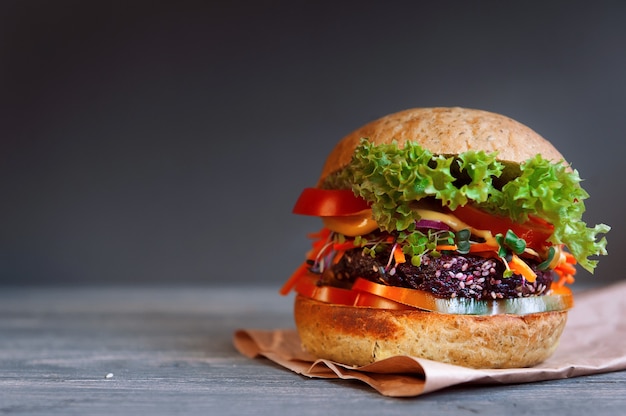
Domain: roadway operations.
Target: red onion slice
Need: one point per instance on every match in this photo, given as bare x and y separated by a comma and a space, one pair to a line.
433, 225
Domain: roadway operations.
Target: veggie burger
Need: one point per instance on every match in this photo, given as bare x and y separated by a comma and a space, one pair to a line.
449, 234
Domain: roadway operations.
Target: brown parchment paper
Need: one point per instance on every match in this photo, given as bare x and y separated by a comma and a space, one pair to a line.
594, 341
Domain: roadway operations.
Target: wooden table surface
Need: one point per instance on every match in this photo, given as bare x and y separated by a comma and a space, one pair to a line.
168, 350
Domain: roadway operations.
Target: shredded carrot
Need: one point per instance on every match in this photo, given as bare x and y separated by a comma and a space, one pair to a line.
320, 235
446, 247
291, 282
569, 258
564, 278
344, 246
566, 268
398, 255
321, 243
519, 266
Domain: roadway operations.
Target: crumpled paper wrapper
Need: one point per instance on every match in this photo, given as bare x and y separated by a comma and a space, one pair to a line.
594, 341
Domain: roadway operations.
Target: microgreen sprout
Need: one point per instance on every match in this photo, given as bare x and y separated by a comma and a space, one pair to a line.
546, 264
463, 241
509, 243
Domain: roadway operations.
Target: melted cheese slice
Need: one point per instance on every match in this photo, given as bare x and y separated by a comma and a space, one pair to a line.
352, 225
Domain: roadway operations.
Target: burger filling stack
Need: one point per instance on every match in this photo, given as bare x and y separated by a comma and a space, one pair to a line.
448, 234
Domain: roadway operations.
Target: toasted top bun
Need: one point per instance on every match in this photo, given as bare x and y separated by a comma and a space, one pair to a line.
447, 131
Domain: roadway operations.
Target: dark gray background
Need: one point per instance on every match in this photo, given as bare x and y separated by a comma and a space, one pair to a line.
166, 142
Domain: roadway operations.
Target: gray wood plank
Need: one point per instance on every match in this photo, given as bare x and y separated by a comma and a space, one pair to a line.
169, 350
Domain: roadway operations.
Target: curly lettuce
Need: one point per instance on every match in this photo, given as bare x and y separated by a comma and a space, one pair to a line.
392, 179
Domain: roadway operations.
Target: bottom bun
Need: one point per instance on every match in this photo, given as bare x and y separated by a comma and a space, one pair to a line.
358, 336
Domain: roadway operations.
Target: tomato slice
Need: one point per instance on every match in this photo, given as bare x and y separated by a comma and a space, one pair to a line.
412, 297
307, 287
329, 202
535, 231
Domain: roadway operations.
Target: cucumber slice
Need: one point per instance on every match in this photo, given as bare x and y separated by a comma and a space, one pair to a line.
518, 306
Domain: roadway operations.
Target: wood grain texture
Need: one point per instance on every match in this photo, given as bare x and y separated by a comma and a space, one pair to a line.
169, 350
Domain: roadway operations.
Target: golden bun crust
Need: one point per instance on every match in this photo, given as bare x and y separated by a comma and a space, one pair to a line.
358, 336
447, 131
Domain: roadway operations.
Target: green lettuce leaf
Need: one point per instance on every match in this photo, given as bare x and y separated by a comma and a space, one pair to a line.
553, 192
394, 178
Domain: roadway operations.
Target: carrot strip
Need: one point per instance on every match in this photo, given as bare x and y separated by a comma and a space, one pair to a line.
569, 258
446, 247
398, 255
567, 268
338, 255
344, 246
519, 266
564, 278
321, 234
295, 277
